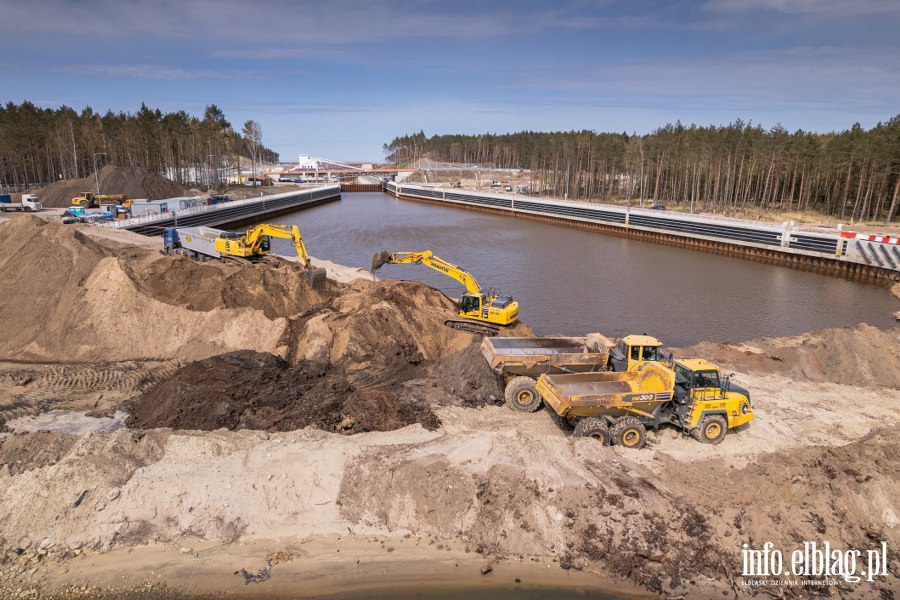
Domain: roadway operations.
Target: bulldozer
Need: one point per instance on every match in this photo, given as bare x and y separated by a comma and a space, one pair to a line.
206, 243
483, 312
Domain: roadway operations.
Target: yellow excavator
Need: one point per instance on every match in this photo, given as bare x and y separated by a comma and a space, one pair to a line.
483, 312
205, 243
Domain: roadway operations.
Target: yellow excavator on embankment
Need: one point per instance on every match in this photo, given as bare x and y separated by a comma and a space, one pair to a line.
206, 243
482, 312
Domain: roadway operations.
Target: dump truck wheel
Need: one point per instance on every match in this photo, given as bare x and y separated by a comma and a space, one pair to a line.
595, 428
630, 433
712, 429
85, 204
566, 423
522, 395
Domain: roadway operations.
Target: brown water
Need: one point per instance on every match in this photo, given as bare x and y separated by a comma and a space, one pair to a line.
572, 282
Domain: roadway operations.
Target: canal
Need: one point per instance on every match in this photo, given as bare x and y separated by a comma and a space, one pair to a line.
572, 282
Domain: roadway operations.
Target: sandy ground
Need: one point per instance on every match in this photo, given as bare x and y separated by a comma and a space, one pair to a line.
337, 506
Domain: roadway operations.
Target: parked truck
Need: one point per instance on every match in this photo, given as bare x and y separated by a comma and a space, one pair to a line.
29, 203
519, 361
617, 408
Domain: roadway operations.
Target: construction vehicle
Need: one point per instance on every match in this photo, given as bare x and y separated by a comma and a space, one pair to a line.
633, 351
29, 203
519, 361
92, 200
206, 243
617, 408
483, 312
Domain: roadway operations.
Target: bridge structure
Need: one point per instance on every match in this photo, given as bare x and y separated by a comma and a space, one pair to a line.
308, 175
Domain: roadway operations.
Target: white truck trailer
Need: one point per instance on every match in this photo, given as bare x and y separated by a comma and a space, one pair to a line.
29, 203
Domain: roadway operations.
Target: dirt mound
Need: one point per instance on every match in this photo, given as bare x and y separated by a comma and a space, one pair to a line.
102, 301
280, 290
465, 379
134, 182
112, 301
861, 356
251, 390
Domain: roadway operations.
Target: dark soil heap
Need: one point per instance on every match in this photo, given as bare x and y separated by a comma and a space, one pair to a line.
254, 390
134, 182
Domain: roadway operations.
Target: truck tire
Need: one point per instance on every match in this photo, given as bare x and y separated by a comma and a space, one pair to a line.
565, 423
629, 433
595, 428
85, 204
522, 395
712, 429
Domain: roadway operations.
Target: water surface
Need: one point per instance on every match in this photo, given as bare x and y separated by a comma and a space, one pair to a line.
572, 282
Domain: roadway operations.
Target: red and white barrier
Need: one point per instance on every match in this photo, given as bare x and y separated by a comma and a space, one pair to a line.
884, 239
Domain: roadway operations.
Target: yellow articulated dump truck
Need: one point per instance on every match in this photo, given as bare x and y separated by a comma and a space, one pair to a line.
519, 361
92, 200
617, 408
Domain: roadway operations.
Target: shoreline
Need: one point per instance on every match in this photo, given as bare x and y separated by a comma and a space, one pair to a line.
353, 566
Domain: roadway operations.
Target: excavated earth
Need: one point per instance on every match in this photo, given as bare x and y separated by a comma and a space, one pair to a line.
134, 182
250, 420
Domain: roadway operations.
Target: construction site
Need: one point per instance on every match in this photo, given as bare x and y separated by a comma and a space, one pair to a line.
181, 427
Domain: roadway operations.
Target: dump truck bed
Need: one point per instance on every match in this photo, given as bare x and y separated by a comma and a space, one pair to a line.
607, 393
531, 357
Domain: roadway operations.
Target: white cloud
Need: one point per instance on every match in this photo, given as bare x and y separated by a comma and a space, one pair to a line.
153, 72
824, 8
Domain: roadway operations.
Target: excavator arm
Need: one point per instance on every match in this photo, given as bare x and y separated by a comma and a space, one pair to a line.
254, 240
255, 236
427, 258
482, 313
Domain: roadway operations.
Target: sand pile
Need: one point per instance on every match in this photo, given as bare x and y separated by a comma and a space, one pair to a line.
134, 182
115, 302
859, 356
87, 305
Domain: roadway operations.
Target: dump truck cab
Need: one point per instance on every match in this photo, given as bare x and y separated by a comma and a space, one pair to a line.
633, 351
708, 404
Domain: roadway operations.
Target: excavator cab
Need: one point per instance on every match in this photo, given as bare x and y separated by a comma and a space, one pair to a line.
470, 305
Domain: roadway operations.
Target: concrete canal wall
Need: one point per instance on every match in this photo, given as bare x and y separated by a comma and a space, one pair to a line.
838, 252
232, 214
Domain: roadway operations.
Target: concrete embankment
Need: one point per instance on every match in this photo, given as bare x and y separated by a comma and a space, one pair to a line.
233, 214
838, 252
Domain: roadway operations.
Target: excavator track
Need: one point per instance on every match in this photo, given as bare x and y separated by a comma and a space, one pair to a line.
473, 327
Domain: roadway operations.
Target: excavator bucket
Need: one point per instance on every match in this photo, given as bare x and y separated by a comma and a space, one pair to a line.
380, 259
317, 278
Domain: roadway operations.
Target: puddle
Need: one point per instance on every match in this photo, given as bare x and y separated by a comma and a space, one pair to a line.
66, 421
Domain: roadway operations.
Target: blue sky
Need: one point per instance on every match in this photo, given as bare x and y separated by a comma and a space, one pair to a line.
340, 78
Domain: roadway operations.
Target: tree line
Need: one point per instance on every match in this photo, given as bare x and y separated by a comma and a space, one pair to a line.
42, 145
853, 175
